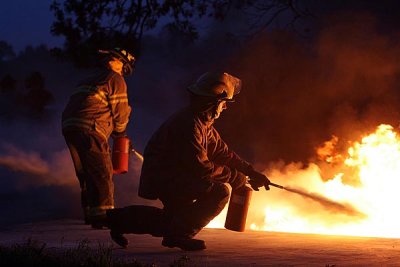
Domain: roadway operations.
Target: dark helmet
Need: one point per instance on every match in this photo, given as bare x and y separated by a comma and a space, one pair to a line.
124, 56
218, 85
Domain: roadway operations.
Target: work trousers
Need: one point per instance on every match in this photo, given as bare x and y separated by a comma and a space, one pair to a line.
188, 215
91, 156
180, 217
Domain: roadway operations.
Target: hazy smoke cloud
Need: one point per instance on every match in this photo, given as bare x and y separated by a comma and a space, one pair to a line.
297, 94
21, 161
315, 205
36, 170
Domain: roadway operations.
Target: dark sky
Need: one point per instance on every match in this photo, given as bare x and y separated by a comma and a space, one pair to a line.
26, 22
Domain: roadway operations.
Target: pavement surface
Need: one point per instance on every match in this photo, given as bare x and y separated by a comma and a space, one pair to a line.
224, 248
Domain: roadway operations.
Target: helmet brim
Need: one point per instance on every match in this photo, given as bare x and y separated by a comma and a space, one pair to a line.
118, 56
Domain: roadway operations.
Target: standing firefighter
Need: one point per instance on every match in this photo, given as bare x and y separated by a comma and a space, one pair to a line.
186, 166
99, 108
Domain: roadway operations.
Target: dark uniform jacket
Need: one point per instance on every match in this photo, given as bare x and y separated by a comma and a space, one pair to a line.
99, 103
184, 156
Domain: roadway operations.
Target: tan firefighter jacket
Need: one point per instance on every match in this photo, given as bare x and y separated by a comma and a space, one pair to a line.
184, 156
99, 103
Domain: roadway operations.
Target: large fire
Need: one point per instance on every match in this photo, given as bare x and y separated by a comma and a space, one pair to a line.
366, 178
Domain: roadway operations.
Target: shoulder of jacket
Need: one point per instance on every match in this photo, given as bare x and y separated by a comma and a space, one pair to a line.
117, 81
112, 75
185, 119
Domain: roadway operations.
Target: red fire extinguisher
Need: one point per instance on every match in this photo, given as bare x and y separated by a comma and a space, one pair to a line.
120, 155
238, 208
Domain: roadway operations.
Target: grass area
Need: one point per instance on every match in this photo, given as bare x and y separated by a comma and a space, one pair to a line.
35, 254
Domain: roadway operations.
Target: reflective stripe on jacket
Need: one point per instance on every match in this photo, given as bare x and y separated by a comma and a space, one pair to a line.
185, 155
100, 103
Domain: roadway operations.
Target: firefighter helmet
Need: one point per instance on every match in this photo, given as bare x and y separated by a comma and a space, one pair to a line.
221, 86
124, 56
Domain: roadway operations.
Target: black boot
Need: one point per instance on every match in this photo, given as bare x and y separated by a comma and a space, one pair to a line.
119, 238
98, 222
184, 243
116, 232
86, 215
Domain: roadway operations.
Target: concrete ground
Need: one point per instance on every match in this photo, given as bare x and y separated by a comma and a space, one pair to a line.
224, 248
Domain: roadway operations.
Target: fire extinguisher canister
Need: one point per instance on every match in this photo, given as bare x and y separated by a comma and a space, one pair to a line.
120, 155
238, 208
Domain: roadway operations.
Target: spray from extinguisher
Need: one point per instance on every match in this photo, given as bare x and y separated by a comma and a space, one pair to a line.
122, 146
240, 201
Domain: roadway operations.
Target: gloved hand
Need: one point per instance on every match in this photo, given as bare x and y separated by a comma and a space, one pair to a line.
118, 134
237, 180
257, 180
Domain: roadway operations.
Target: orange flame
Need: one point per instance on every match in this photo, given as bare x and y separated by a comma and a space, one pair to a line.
375, 166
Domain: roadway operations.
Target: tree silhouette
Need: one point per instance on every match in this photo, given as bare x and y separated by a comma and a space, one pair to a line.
38, 97
6, 51
88, 25
8, 96
8, 84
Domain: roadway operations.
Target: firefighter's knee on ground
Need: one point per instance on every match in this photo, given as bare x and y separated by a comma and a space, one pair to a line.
219, 191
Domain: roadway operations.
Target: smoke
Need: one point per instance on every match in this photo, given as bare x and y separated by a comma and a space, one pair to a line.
36, 171
21, 161
298, 93
34, 187
308, 204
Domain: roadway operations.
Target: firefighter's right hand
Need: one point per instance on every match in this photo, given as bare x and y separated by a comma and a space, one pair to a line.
257, 180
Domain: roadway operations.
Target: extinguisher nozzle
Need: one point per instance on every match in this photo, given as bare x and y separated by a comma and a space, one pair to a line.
137, 154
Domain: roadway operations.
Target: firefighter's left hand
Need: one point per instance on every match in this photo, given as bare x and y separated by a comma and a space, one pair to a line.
257, 180
118, 134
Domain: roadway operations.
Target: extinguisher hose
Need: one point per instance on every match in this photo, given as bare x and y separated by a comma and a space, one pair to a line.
277, 185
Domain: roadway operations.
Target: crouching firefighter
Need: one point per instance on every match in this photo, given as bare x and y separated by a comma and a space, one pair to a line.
97, 110
187, 166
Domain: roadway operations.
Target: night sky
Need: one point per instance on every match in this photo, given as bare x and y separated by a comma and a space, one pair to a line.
25, 22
